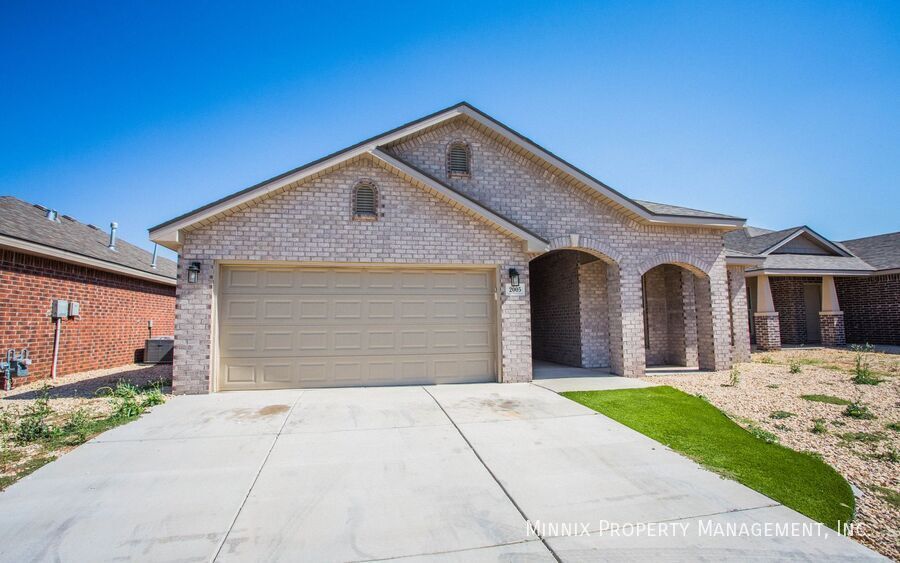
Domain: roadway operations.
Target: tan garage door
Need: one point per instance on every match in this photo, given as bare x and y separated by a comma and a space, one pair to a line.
332, 327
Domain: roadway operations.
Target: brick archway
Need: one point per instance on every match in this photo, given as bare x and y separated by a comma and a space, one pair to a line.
583, 243
695, 265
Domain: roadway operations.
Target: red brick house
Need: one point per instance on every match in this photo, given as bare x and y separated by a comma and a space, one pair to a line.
120, 289
805, 289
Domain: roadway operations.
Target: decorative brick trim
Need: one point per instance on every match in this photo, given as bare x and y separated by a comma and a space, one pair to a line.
587, 244
768, 331
690, 262
832, 327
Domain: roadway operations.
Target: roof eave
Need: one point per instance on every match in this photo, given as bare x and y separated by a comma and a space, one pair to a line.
36, 249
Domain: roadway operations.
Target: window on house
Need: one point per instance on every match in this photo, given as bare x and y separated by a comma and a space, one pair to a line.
365, 201
458, 160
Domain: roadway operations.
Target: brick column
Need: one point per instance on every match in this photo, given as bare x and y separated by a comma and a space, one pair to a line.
832, 327
626, 322
768, 331
713, 326
515, 319
592, 314
740, 325
690, 318
831, 318
765, 319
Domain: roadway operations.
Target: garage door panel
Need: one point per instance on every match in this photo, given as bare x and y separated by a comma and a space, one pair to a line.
325, 327
324, 310
265, 373
284, 340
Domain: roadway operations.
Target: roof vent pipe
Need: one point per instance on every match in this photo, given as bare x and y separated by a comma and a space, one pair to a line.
153, 260
52, 214
112, 235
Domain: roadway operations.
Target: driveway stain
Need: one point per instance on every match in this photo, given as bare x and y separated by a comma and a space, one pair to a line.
251, 414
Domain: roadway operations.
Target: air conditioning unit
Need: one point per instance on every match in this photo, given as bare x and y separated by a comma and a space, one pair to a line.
158, 350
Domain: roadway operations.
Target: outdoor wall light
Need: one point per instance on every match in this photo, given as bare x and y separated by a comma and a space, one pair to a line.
514, 277
193, 272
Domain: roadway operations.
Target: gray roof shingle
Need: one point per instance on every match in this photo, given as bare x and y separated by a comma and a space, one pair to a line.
881, 251
666, 209
813, 262
25, 221
752, 240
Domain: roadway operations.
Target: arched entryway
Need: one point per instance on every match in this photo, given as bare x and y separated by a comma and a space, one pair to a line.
677, 317
570, 321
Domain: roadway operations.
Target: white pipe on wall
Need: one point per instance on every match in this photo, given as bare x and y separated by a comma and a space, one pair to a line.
55, 349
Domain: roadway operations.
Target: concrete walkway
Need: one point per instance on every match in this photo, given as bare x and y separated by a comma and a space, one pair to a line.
441, 473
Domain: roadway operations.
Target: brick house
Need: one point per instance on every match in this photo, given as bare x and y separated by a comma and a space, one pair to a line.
46, 256
450, 249
805, 289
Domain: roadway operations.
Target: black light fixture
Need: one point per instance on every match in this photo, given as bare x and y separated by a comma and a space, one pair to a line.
193, 272
514, 277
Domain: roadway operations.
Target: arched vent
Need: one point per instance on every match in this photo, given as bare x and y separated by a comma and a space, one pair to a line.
458, 160
365, 201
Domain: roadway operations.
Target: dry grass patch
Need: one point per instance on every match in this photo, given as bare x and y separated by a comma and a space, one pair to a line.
43, 420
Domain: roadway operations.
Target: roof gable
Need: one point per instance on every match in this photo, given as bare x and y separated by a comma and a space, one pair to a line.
168, 233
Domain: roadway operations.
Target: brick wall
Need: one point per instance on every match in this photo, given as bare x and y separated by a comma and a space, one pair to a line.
114, 314
311, 222
789, 300
594, 306
871, 308
555, 310
554, 206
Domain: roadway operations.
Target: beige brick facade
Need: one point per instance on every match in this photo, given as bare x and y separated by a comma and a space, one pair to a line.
311, 222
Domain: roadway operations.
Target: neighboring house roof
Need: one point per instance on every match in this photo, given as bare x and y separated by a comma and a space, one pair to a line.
676, 211
169, 232
25, 227
881, 251
856, 257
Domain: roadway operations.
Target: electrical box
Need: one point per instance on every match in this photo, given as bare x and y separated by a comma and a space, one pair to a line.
74, 309
59, 309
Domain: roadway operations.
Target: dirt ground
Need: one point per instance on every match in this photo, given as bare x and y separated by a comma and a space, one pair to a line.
865, 451
77, 394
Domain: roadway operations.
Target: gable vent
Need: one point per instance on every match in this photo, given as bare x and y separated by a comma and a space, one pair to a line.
364, 201
458, 160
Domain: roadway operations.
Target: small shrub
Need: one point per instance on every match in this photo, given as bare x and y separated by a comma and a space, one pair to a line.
734, 377
795, 367
818, 426
891, 456
7, 423
825, 399
858, 411
766, 360
773, 386
77, 426
127, 408
867, 437
778, 415
153, 397
863, 375
895, 426
33, 424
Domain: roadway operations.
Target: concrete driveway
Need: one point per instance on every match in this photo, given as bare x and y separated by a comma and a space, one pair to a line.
442, 473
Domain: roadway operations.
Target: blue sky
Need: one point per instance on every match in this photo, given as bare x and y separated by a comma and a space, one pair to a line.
785, 113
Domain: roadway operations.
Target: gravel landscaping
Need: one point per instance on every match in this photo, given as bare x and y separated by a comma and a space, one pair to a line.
42, 420
766, 395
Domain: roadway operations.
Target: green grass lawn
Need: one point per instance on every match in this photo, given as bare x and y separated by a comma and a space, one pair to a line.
699, 430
